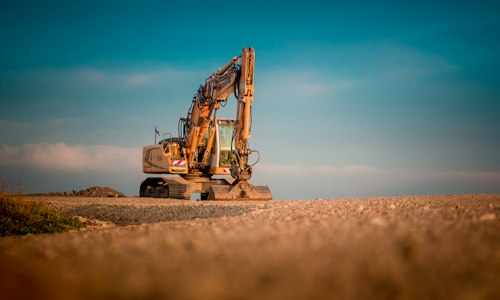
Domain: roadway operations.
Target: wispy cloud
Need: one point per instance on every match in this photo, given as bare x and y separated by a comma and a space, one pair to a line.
137, 79
367, 170
8, 125
71, 158
376, 59
319, 170
294, 85
56, 77
149, 77
401, 62
84, 77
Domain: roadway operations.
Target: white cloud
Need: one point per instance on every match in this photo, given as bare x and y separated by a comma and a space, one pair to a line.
71, 158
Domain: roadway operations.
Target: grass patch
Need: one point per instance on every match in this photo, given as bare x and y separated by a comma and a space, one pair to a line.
18, 217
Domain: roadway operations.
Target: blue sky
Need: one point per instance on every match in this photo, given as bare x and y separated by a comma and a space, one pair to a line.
358, 99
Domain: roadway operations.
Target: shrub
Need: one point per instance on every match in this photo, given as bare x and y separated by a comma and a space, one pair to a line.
18, 217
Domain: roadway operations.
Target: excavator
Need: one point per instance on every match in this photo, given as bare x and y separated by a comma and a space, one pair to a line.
207, 149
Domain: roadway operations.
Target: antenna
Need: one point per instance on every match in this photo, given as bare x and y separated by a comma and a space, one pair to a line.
157, 133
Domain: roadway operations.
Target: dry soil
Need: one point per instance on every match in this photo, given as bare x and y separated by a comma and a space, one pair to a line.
423, 247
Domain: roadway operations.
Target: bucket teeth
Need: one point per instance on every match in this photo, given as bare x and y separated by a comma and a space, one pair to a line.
240, 190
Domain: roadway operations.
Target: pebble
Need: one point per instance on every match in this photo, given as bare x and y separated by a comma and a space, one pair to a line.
379, 221
487, 217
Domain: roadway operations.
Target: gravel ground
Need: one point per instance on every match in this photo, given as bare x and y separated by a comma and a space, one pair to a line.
422, 247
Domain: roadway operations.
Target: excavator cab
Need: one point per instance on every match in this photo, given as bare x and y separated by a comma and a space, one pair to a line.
225, 131
222, 151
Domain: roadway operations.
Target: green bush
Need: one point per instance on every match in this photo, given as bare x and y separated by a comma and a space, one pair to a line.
18, 217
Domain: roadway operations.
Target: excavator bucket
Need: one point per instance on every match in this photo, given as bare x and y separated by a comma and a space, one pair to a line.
239, 190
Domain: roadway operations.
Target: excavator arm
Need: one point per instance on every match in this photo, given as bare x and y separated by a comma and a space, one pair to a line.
241, 170
236, 77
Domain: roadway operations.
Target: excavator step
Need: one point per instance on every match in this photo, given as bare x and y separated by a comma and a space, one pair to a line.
240, 190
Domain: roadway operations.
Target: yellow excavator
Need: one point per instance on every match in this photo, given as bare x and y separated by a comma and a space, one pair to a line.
208, 148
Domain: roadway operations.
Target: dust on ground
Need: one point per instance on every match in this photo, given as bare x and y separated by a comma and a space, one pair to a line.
441, 247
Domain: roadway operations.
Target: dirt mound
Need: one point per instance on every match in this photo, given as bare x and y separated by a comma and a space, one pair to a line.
95, 191
99, 191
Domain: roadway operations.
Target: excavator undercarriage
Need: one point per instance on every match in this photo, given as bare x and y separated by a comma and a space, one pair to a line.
203, 189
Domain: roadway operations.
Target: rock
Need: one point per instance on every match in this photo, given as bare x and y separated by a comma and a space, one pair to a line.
379, 221
487, 217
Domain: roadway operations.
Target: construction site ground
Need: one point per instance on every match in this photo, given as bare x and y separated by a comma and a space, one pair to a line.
421, 247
